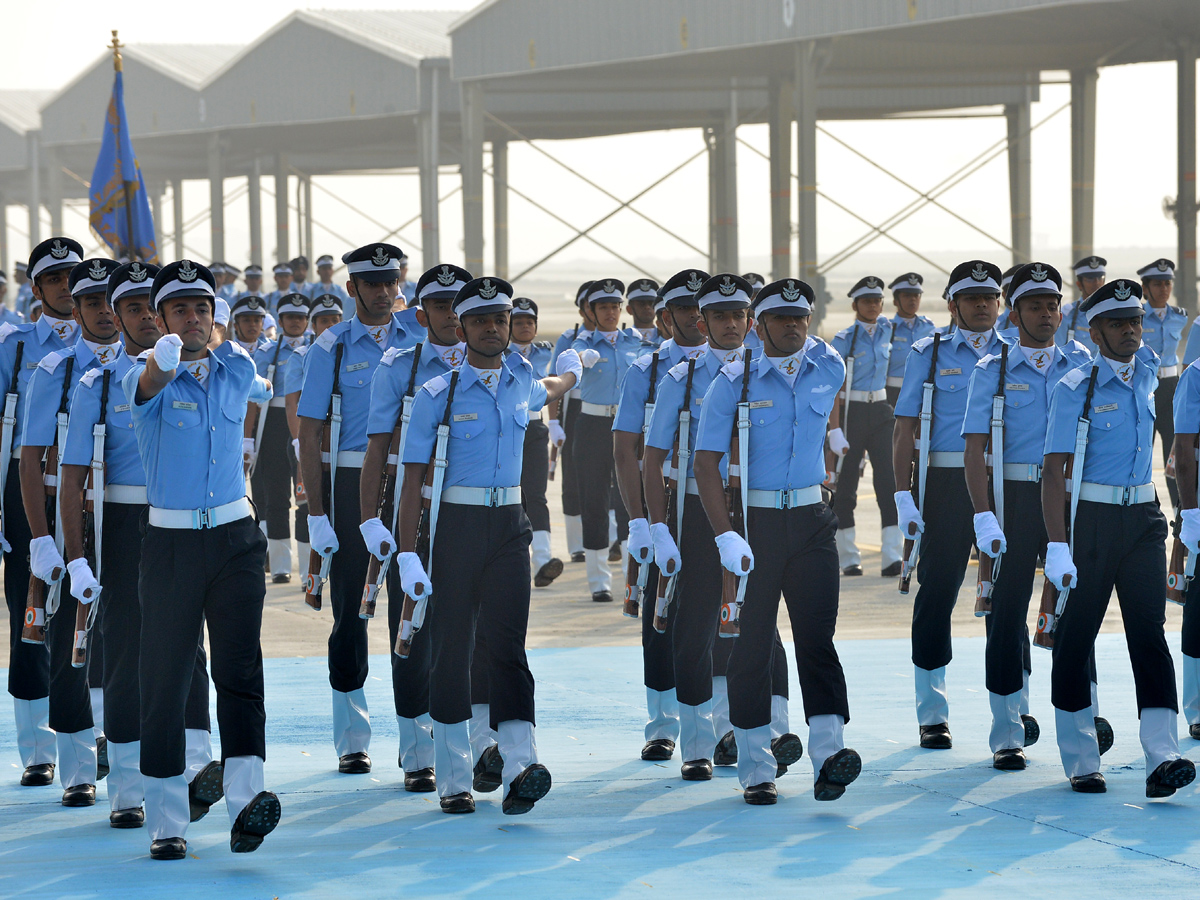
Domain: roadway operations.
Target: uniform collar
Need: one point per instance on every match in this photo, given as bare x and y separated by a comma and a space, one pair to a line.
467, 377
42, 326
1106, 374
1017, 357
359, 330
959, 337
765, 367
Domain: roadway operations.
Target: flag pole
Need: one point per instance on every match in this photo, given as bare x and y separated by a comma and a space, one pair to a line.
118, 66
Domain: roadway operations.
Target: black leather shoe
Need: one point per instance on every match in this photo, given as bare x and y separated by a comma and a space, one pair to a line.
936, 737
697, 770
761, 794
281, 578
658, 750
458, 803
1009, 760
527, 788
206, 789
255, 822
101, 758
127, 818
79, 795
1193, 733
726, 752
602, 597
1104, 735
892, 571
38, 775
488, 771
578, 557
1088, 784
355, 764
548, 572
420, 782
614, 552
168, 848
1170, 777
787, 750
836, 772
852, 571
1033, 730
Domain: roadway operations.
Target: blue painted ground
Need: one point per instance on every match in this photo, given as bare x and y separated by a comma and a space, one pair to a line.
933, 824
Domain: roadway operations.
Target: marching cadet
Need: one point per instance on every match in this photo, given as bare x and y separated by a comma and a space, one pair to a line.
788, 547
613, 353
22, 348
943, 521
640, 299
400, 374
120, 546
229, 290
563, 417
189, 431
1004, 323
756, 282
1118, 534
299, 267
660, 323
408, 290
271, 481
482, 572
1089, 276
869, 422
249, 313
283, 285
8, 313
374, 273
35, 309
1162, 328
907, 327
1187, 429
24, 298
324, 283
1029, 370
50, 388
253, 279
535, 470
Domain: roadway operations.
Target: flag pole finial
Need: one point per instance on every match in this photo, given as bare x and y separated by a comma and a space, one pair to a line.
116, 46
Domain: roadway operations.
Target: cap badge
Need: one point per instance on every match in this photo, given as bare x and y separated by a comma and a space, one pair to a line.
187, 272
380, 257
1093, 262
97, 271
644, 286
1122, 290
727, 287
694, 283
58, 250
1039, 273
329, 303
914, 279
524, 304
791, 293
979, 273
252, 303
137, 273
610, 287
1162, 265
487, 290
445, 277
871, 283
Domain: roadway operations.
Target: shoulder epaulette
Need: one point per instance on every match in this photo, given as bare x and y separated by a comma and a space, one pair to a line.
6, 329
329, 336
543, 345
389, 356
679, 370
50, 361
733, 370
1076, 377
924, 342
436, 385
90, 376
643, 362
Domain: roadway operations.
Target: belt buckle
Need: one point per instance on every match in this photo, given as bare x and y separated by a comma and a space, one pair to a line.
493, 496
201, 518
781, 500
1125, 499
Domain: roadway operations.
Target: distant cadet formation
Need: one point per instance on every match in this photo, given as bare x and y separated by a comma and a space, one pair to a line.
713, 448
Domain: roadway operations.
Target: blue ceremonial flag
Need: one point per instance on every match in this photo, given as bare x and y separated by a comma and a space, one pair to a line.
120, 207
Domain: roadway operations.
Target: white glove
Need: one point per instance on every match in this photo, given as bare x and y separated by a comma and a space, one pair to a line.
1060, 568
247, 449
412, 574
44, 560
641, 545
166, 352
734, 549
838, 443
588, 357
987, 532
1189, 533
376, 534
321, 536
568, 362
84, 586
4, 544
911, 522
296, 448
557, 435
666, 554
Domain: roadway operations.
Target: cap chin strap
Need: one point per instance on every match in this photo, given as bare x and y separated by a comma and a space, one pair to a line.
1112, 352
128, 336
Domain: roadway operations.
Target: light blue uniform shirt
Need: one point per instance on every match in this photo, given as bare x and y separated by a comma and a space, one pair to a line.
1026, 399
487, 433
956, 360
24, 298
903, 334
122, 462
46, 390
870, 353
359, 359
1074, 324
538, 353
293, 374
1163, 335
664, 424
314, 289
602, 382
1187, 401
408, 321
787, 423
264, 354
39, 339
636, 386
390, 383
1121, 433
11, 316
272, 298
190, 437
408, 290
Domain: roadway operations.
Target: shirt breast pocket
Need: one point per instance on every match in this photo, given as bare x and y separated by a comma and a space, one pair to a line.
466, 430
1110, 420
182, 419
819, 408
1016, 399
234, 411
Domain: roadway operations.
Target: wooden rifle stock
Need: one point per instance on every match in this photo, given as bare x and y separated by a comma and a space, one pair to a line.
633, 589
1176, 579
983, 588
905, 569
662, 598
553, 461
34, 631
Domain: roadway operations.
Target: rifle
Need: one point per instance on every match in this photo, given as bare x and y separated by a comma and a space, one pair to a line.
637, 574
1182, 565
844, 396
41, 600
737, 500
676, 495
553, 461
262, 410
376, 569
8, 428
1054, 601
412, 616
318, 566
93, 529
989, 569
912, 545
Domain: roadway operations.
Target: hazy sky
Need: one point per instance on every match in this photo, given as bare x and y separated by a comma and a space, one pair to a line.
1135, 163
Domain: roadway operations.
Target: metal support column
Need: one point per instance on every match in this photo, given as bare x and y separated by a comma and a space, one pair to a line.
254, 195
4, 239
281, 208
156, 194
54, 190
727, 200
472, 176
1083, 162
805, 97
1020, 179
35, 190
780, 149
711, 144
177, 215
428, 138
308, 219
500, 207
1185, 204
216, 197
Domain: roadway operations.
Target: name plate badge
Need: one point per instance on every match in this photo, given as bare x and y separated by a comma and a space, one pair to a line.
1107, 407
466, 417
957, 371
357, 366
124, 407
184, 404
759, 404
1016, 387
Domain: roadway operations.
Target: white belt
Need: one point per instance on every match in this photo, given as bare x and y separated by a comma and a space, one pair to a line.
200, 518
598, 409
574, 393
691, 487
895, 381
1116, 494
535, 416
784, 499
393, 459
1168, 371
347, 459
481, 496
133, 494
278, 401
867, 396
1022, 472
945, 459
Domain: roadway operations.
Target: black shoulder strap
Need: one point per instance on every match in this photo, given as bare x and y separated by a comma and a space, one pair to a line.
653, 377
937, 340
15, 384
65, 399
746, 376
1003, 369
1091, 389
412, 375
450, 396
104, 395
